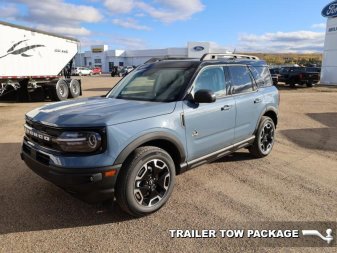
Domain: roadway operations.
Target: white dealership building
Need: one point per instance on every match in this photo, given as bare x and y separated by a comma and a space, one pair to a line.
329, 64
102, 56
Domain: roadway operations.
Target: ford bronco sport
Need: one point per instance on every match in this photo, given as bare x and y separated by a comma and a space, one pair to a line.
165, 117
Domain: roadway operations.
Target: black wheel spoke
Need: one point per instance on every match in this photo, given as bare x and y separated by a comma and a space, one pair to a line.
267, 137
152, 182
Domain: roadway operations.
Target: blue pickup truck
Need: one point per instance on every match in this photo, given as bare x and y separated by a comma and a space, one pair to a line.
165, 117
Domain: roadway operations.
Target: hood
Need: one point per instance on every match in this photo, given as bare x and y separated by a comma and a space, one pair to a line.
97, 111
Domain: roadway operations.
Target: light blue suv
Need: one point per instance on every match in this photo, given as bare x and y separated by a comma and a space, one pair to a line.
165, 117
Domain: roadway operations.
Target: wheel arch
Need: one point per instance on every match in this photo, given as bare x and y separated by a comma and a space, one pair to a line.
168, 142
273, 115
270, 112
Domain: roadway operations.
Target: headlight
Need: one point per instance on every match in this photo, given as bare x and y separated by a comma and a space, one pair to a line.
83, 142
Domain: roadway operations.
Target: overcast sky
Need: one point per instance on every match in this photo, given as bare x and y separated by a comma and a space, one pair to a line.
246, 25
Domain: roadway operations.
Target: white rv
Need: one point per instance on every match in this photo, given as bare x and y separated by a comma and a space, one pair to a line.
34, 61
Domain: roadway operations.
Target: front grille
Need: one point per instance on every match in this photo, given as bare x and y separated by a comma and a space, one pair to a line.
42, 158
26, 149
43, 131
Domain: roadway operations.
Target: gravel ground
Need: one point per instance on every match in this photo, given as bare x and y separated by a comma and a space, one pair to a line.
297, 182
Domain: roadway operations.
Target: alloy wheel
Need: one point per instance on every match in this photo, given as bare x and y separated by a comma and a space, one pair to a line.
152, 182
267, 138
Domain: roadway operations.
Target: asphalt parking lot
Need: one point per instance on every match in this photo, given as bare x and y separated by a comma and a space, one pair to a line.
297, 182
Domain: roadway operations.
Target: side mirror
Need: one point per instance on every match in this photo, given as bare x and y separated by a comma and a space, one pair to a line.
204, 96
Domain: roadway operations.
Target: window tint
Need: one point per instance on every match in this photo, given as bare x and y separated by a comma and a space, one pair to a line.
261, 76
241, 80
211, 78
284, 71
313, 69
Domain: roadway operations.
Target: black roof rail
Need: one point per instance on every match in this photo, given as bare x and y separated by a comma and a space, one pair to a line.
217, 56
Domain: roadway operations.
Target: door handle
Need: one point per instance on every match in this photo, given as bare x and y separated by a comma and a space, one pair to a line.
257, 100
226, 107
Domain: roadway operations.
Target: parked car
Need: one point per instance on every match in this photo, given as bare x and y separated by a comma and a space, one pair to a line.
82, 71
121, 71
275, 72
116, 71
96, 71
128, 69
169, 116
299, 75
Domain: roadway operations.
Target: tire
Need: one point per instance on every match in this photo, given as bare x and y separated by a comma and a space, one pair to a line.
61, 90
309, 84
265, 138
141, 189
74, 88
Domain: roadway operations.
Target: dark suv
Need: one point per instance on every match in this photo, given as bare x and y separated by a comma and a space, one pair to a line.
165, 117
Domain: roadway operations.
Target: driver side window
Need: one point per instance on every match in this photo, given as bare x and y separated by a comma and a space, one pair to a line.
211, 78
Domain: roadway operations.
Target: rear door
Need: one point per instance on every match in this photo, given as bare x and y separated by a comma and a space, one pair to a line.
209, 126
248, 101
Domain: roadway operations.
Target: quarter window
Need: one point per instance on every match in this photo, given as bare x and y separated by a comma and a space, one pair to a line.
261, 76
211, 78
241, 79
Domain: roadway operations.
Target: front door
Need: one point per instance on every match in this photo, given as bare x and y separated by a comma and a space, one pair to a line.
209, 126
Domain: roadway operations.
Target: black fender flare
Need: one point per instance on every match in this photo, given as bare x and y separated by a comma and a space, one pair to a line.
267, 109
154, 136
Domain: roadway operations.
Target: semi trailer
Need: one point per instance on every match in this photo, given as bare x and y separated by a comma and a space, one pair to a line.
36, 65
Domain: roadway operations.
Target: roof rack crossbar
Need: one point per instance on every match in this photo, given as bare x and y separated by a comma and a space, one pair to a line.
217, 56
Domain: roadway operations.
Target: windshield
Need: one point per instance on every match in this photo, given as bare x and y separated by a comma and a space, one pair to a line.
153, 84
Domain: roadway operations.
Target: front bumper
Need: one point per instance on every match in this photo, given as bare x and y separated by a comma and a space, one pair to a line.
89, 184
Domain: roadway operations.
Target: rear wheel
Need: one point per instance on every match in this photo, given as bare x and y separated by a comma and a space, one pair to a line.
309, 84
146, 181
264, 140
292, 84
74, 88
61, 90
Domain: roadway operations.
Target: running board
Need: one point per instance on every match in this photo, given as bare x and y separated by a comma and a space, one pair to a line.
216, 155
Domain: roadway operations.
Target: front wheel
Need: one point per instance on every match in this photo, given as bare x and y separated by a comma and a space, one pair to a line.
146, 181
264, 140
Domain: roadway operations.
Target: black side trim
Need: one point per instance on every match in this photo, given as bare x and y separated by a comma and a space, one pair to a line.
151, 137
216, 155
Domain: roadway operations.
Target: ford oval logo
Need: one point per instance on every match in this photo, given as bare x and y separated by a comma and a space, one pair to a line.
198, 48
330, 10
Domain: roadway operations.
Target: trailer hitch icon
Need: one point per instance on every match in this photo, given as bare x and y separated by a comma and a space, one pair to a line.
328, 238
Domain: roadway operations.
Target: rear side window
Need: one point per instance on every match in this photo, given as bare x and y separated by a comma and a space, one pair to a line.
241, 79
262, 76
